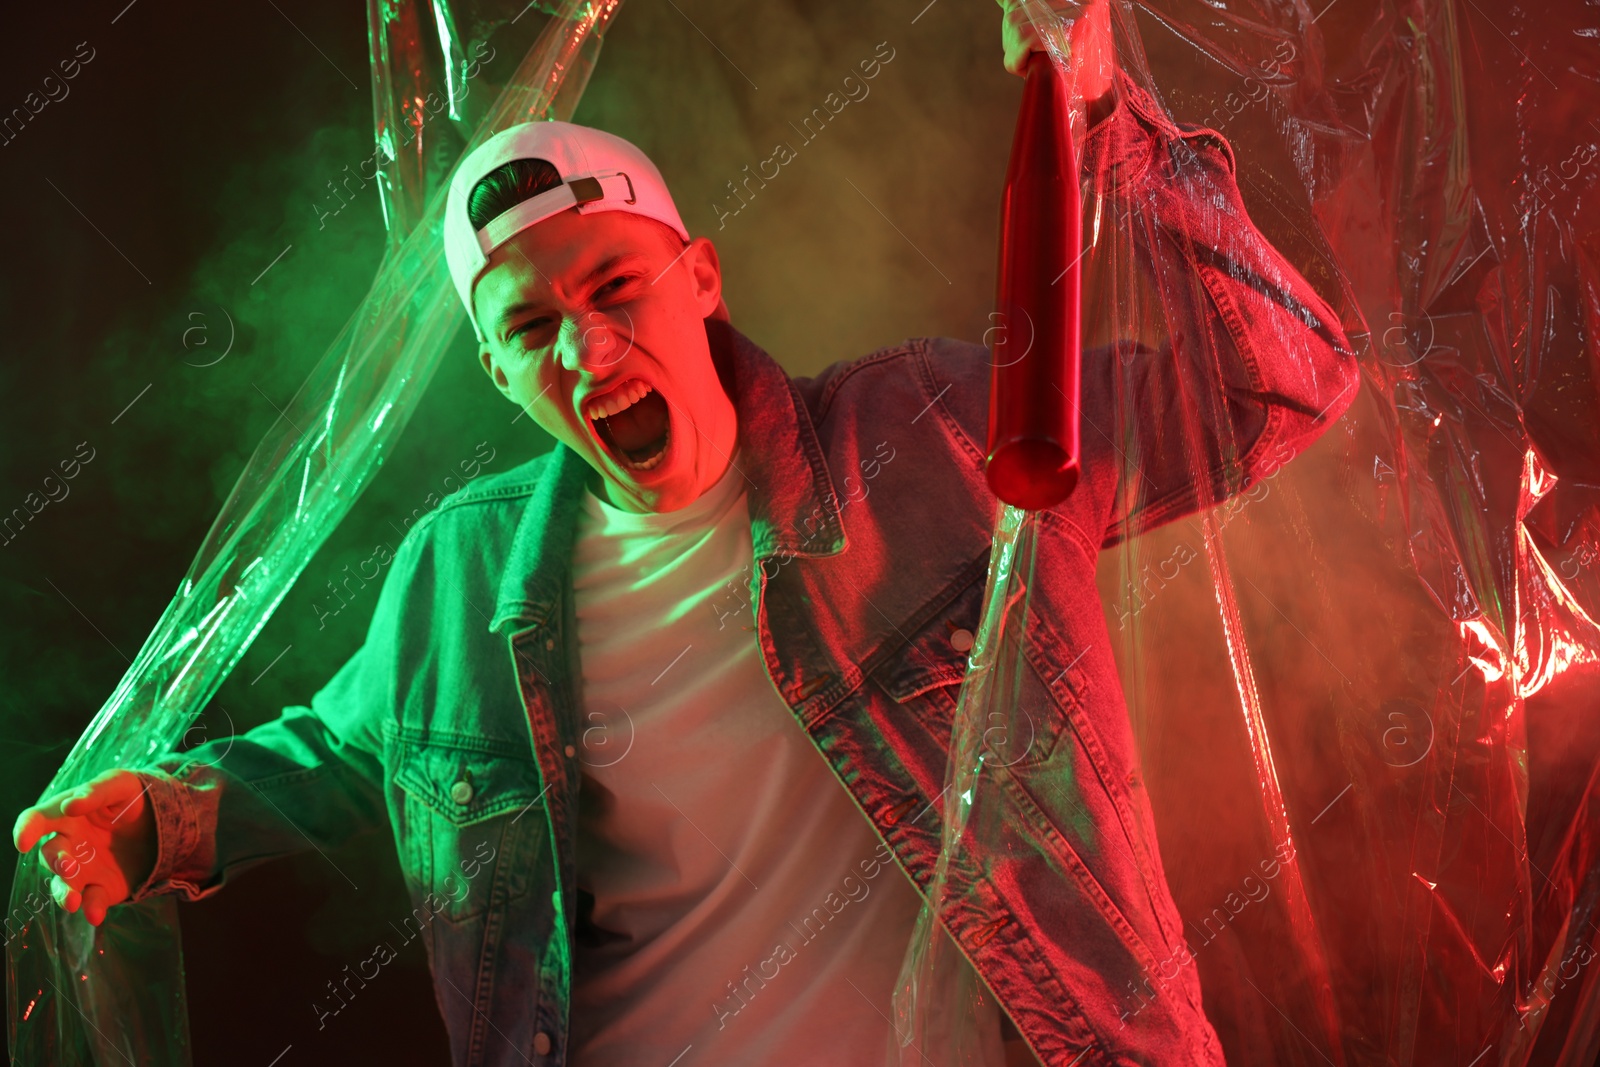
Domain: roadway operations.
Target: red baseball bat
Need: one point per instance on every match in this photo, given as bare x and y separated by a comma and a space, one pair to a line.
1034, 378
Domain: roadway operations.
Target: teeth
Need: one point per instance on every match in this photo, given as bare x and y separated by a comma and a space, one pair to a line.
648, 464
617, 400
653, 461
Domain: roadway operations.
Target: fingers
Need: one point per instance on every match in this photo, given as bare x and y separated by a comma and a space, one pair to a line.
70, 857
109, 798
113, 789
119, 786
58, 857
39, 822
72, 863
43, 818
31, 825
96, 902
1065, 8
67, 857
1020, 39
64, 895
1086, 43
127, 799
79, 801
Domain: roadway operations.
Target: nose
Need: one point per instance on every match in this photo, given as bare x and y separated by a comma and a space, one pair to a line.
591, 342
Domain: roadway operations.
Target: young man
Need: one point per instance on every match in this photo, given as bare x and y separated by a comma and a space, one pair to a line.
658, 719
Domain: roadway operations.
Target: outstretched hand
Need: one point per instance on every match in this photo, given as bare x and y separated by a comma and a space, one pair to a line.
1092, 56
99, 840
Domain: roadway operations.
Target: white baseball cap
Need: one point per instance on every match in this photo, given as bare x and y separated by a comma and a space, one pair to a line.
599, 172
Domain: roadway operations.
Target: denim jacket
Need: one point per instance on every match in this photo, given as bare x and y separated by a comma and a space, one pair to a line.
458, 719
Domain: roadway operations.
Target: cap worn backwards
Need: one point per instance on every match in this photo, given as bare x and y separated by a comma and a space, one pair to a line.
599, 172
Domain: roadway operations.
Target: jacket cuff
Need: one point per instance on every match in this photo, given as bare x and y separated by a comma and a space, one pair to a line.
177, 827
1130, 127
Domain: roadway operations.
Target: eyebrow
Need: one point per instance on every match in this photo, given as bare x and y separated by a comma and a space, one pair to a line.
610, 264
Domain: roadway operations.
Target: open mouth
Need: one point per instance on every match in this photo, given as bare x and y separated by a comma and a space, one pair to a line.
631, 421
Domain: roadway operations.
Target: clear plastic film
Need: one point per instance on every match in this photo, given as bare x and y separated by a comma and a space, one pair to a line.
943, 1011
114, 994
1362, 673
1373, 665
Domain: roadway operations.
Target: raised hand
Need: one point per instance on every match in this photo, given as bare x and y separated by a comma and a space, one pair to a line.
1092, 56
99, 840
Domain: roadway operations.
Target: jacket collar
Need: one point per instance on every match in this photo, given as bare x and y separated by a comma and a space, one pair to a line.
794, 510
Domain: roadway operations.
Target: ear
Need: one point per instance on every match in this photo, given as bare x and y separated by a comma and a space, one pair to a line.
705, 272
491, 367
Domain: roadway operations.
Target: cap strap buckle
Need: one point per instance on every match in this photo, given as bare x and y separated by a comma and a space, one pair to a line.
577, 192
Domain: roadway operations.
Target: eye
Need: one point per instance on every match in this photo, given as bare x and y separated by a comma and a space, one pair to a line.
615, 285
534, 324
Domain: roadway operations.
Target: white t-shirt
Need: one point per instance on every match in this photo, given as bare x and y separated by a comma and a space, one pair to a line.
746, 911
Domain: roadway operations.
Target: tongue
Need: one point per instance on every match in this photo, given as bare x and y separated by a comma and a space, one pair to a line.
639, 426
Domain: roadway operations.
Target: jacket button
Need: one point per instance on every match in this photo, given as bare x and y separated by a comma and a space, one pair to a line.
549, 643
961, 640
541, 1044
571, 752
461, 792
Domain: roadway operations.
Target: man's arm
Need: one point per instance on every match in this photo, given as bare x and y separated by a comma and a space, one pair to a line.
310, 778
1256, 365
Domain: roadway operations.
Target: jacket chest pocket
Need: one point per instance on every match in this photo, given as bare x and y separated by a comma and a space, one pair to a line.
469, 839
923, 676
1021, 722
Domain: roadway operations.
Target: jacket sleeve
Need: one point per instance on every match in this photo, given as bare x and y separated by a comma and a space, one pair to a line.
311, 778
1255, 365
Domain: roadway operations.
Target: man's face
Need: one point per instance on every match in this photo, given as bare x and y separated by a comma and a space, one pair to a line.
596, 329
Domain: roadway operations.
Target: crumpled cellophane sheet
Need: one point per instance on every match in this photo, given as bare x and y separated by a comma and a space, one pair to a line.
1379, 663
1381, 659
114, 994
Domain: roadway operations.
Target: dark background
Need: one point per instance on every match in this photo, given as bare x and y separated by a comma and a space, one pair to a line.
143, 217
